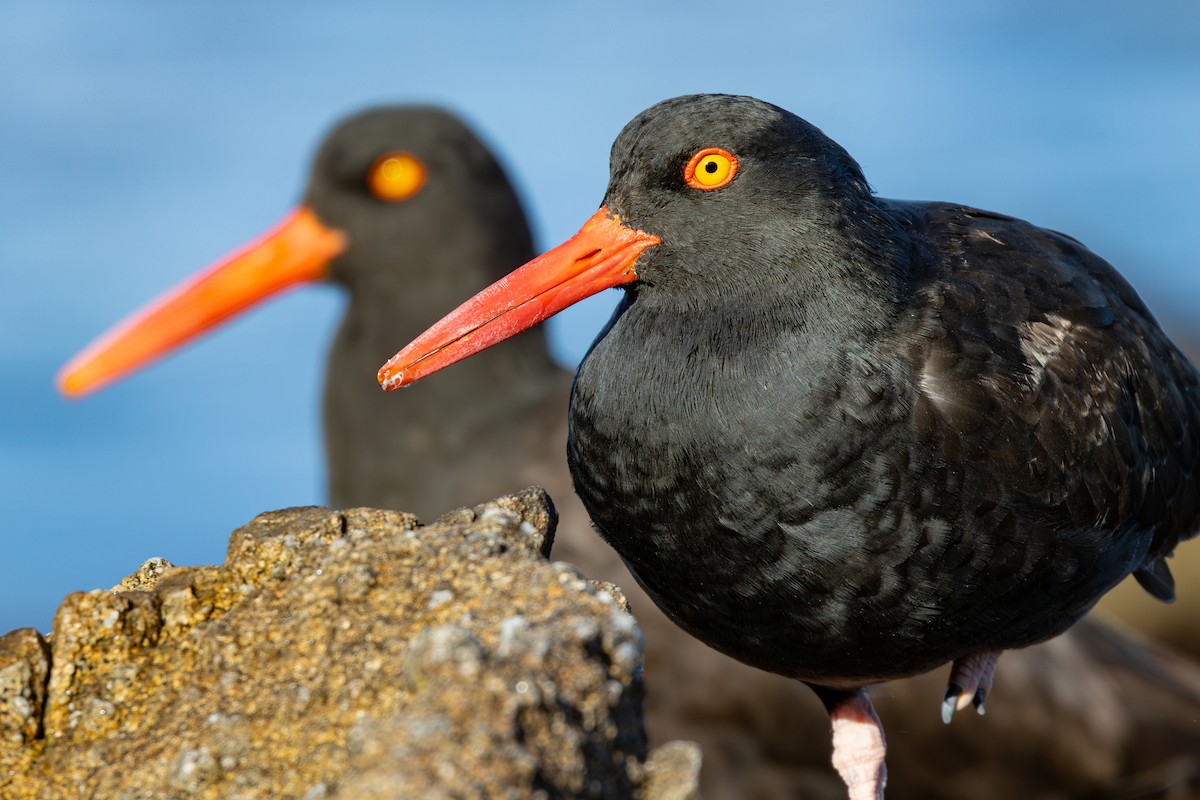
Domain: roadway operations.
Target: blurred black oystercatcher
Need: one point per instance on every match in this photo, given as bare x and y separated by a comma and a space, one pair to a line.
843, 438
409, 211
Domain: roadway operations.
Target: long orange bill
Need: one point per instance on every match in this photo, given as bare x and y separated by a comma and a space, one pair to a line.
297, 250
601, 255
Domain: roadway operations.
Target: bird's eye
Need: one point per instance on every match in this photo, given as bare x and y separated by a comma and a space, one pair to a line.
396, 176
710, 168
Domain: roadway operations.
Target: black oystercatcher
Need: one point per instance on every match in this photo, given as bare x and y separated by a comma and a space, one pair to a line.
843, 438
405, 207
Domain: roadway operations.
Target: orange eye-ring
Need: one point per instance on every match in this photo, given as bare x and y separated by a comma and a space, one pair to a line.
396, 176
710, 168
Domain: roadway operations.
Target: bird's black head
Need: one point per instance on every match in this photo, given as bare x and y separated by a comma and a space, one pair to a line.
420, 200
734, 187
405, 206
715, 203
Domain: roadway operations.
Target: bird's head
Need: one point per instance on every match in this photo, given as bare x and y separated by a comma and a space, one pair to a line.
709, 196
389, 188
731, 185
417, 195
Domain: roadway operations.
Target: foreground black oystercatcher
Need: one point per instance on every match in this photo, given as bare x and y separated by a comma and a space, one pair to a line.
843, 438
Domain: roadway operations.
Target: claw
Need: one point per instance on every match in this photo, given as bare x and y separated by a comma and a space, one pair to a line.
970, 681
980, 696
953, 692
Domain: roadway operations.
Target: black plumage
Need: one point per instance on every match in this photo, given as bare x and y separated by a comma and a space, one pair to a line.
880, 435
848, 439
403, 262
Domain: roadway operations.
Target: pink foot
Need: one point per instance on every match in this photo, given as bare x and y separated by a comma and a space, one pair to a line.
858, 744
970, 681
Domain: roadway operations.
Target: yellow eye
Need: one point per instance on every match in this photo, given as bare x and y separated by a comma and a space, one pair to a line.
396, 176
710, 168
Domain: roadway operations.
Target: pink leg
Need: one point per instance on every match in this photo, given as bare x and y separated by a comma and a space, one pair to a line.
858, 744
970, 681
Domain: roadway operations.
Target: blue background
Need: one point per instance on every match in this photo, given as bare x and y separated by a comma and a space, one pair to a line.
141, 141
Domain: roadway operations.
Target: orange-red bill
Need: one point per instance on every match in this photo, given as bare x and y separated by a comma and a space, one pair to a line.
601, 255
297, 250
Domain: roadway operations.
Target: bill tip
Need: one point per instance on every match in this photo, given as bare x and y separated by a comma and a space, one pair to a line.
389, 380
70, 384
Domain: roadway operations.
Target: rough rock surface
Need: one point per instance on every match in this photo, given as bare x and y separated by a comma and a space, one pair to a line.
343, 655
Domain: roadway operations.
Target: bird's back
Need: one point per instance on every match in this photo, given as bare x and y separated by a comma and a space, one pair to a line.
1034, 357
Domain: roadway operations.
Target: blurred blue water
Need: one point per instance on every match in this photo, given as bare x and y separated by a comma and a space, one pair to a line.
139, 141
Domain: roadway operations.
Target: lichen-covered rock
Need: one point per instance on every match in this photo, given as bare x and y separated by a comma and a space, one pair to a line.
673, 772
24, 666
346, 654
146, 577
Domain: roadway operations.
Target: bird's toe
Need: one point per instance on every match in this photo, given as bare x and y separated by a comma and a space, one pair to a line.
971, 679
